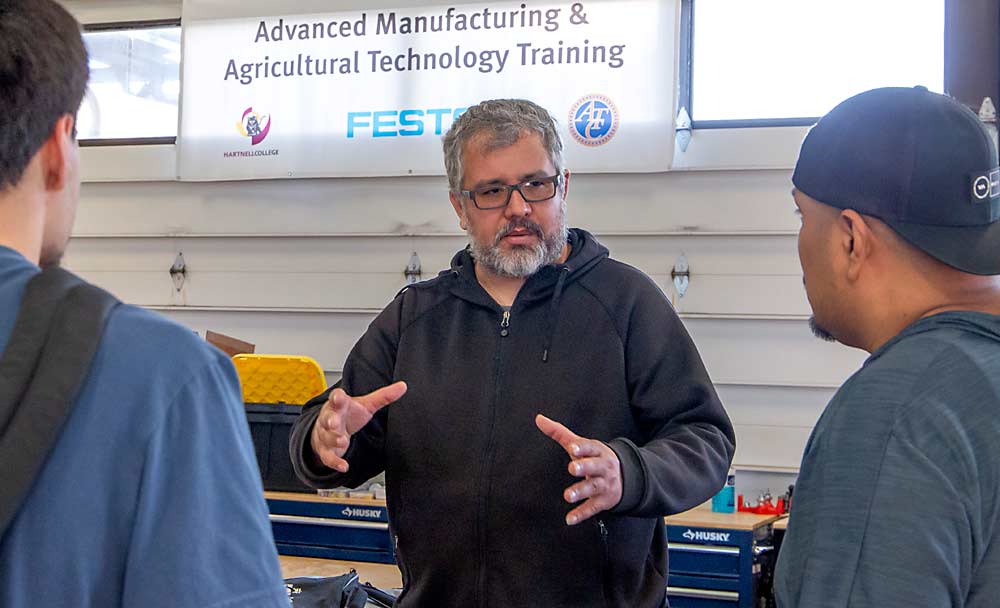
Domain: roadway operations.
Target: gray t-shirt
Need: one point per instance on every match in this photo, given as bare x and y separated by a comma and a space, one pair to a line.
898, 498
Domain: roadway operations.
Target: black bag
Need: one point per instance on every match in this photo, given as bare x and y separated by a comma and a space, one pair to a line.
342, 591
55, 337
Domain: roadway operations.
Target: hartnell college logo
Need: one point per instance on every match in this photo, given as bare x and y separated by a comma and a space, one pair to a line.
593, 120
256, 127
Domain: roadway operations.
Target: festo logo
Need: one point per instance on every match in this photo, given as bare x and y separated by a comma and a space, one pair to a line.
371, 513
402, 123
715, 537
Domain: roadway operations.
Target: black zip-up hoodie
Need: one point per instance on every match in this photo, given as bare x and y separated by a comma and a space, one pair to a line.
474, 489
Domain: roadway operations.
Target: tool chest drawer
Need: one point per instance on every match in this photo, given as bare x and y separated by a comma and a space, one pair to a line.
691, 558
694, 592
345, 529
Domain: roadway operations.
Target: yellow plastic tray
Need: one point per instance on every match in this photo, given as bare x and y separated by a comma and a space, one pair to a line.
279, 378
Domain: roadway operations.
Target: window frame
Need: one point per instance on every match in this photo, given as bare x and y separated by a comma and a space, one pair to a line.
685, 90
971, 38
128, 26
686, 69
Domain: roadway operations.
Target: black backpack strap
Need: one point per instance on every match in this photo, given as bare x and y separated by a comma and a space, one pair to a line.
47, 359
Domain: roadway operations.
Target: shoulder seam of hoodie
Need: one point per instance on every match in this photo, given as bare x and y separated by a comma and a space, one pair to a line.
632, 270
423, 313
604, 306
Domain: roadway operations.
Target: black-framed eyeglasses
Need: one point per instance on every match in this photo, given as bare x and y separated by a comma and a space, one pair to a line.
495, 196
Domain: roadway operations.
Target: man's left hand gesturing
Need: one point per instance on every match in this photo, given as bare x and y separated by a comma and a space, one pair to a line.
592, 460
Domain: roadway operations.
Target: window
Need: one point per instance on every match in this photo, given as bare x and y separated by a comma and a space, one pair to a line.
134, 83
777, 62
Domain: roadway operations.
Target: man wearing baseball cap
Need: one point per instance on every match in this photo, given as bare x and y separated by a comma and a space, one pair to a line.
898, 496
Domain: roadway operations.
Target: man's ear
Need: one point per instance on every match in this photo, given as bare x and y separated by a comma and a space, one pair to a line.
456, 203
855, 239
56, 152
565, 193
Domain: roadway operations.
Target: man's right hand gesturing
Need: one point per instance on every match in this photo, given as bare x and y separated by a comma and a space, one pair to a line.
342, 416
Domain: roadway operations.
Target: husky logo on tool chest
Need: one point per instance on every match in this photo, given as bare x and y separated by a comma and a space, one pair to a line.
351, 512
717, 537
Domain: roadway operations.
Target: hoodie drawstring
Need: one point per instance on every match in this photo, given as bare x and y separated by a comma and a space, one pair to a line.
554, 312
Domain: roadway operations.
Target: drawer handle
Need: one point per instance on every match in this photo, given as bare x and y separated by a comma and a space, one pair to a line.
332, 523
708, 594
704, 548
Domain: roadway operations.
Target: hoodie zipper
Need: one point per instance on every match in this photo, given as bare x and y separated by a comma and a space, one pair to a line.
605, 560
403, 571
486, 474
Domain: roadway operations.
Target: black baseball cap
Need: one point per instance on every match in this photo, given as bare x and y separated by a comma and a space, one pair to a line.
921, 162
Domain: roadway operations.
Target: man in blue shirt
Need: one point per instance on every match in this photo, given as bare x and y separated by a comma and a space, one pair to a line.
150, 495
898, 498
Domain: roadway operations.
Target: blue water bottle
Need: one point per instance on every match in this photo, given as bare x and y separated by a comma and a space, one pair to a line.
725, 500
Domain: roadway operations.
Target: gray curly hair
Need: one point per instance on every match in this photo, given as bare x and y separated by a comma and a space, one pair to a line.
503, 120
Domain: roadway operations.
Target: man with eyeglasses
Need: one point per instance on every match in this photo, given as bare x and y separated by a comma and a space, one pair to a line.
554, 408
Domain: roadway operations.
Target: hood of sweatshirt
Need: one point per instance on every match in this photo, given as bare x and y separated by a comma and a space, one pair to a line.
548, 283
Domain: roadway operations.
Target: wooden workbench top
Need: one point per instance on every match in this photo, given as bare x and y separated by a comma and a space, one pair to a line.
383, 576
704, 518
782, 523
303, 497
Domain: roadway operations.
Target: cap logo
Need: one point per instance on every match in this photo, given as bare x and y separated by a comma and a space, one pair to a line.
986, 186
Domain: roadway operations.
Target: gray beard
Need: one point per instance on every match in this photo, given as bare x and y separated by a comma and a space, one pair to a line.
523, 260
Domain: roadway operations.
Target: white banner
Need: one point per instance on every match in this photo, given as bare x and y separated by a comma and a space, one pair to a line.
370, 92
